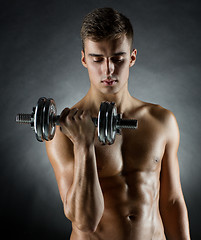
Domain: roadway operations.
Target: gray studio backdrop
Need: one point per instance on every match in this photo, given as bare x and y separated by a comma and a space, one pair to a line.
40, 56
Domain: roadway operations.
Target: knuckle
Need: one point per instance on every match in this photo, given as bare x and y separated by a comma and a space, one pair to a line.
79, 114
64, 111
71, 112
85, 113
69, 118
63, 114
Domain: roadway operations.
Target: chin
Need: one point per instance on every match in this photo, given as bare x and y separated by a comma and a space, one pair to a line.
109, 91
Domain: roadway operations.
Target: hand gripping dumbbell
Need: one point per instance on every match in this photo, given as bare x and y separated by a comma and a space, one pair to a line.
44, 119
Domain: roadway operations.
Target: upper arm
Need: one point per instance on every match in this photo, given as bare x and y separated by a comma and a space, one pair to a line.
60, 154
170, 189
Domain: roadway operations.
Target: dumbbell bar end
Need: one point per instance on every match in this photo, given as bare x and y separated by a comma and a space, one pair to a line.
24, 118
127, 123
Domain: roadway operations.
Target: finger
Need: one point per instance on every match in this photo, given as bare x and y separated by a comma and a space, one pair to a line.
64, 114
71, 114
78, 114
85, 114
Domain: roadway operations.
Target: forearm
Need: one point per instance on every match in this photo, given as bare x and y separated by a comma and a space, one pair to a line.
84, 200
175, 219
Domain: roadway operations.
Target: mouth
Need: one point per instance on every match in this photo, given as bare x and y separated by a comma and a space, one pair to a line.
108, 82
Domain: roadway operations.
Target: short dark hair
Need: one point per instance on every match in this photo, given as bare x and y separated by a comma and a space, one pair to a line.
105, 23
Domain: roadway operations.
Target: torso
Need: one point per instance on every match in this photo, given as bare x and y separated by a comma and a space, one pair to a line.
129, 175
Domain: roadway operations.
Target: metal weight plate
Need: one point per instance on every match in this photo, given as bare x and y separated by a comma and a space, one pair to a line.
111, 129
38, 119
49, 112
102, 122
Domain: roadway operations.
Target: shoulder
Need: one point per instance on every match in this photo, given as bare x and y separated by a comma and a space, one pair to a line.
167, 120
155, 111
160, 117
161, 114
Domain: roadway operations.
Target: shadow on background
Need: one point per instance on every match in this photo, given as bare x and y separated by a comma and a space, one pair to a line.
40, 56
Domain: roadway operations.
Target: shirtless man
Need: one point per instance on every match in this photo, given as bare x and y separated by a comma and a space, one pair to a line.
130, 190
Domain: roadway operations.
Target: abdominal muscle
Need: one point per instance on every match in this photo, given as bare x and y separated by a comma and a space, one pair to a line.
131, 210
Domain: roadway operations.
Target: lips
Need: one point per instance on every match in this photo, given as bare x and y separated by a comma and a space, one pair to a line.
109, 82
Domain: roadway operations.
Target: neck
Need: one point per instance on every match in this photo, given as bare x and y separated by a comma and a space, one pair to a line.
122, 99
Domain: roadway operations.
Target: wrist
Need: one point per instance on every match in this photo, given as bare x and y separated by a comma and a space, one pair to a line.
84, 152
83, 145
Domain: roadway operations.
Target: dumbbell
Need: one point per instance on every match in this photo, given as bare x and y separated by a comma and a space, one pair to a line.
44, 119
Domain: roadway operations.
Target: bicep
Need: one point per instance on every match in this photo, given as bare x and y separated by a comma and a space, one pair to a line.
170, 189
60, 154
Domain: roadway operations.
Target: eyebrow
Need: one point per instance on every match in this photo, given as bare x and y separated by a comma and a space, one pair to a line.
119, 53
95, 55
101, 55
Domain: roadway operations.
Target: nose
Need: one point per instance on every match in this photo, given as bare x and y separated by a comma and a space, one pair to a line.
108, 67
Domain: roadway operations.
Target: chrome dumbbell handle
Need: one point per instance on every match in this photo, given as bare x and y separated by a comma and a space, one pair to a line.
56, 120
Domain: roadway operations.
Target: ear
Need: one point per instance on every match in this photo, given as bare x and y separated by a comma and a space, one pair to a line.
133, 57
83, 59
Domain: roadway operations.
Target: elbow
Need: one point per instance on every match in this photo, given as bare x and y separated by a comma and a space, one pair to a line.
83, 224
85, 220
87, 227
67, 211
68, 214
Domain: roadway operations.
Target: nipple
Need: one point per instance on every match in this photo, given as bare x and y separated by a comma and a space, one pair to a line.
131, 217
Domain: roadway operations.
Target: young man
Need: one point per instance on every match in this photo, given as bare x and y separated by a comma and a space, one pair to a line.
129, 190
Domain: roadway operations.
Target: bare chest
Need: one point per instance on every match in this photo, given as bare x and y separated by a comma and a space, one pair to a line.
133, 150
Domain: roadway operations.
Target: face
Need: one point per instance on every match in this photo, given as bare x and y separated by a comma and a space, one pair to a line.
108, 63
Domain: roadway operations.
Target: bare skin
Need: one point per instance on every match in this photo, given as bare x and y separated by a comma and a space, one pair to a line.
128, 190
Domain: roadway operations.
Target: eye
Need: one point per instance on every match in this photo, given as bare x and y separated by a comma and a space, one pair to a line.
98, 59
117, 59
